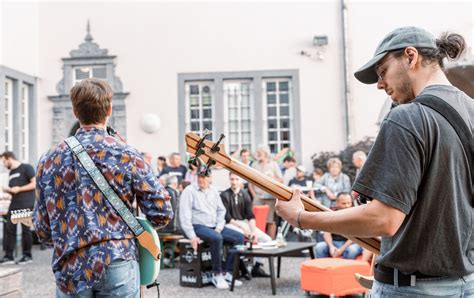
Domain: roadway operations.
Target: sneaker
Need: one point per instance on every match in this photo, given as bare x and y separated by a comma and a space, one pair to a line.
244, 272
228, 279
258, 271
219, 282
7, 261
24, 260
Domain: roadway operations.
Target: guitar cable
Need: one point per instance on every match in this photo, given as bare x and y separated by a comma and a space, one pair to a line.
157, 285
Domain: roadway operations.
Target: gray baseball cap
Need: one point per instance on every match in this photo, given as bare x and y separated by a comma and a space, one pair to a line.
399, 38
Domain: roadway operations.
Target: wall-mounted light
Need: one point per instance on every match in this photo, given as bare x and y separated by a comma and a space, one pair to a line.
150, 123
319, 42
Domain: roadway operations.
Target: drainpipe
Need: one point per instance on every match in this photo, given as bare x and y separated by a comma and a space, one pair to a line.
347, 106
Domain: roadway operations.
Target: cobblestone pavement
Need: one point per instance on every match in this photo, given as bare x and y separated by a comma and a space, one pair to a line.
38, 281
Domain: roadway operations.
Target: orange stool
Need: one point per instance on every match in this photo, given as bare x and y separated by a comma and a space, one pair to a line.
333, 276
261, 213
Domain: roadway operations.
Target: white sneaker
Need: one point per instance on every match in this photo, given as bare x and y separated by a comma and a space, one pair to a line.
228, 278
219, 282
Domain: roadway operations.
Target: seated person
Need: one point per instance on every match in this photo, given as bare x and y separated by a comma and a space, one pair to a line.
289, 169
335, 245
239, 217
301, 181
171, 186
202, 216
318, 188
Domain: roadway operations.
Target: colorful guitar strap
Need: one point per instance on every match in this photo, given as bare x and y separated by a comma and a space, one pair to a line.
104, 186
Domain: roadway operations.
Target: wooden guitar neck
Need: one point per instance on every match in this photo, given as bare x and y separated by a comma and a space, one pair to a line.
271, 186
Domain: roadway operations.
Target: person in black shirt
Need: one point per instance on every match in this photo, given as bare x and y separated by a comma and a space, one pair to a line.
240, 217
171, 187
335, 245
301, 181
21, 186
175, 167
160, 165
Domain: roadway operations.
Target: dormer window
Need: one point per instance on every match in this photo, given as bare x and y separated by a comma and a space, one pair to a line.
87, 61
84, 72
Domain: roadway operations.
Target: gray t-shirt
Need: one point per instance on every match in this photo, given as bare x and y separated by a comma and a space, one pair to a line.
418, 166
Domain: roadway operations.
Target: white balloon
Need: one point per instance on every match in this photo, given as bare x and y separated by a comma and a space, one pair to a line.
150, 123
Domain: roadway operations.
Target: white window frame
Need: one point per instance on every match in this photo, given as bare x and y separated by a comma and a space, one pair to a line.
91, 68
24, 131
278, 117
8, 106
238, 84
259, 125
201, 84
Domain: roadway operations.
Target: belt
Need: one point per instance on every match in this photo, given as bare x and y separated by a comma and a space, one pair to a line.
392, 276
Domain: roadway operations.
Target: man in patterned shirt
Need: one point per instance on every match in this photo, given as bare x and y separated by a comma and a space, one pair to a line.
95, 252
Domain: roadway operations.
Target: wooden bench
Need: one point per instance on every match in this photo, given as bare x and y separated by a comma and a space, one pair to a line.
168, 243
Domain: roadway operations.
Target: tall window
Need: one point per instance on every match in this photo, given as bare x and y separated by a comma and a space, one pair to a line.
85, 72
24, 146
199, 102
277, 95
8, 105
237, 96
249, 107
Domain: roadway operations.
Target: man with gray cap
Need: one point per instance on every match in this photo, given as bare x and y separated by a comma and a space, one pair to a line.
202, 216
417, 174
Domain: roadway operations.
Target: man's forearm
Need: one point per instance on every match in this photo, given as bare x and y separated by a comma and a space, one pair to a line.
370, 220
252, 190
28, 187
346, 244
220, 226
328, 238
235, 223
188, 229
253, 225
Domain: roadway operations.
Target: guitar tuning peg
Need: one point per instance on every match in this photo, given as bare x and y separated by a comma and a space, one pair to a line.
195, 161
216, 148
206, 133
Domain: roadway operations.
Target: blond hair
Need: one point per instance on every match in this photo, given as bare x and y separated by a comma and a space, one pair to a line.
333, 161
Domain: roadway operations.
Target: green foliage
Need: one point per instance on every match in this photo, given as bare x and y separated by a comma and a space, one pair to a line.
320, 159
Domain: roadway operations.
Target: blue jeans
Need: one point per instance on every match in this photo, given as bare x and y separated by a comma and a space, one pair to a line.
351, 252
216, 240
121, 279
441, 287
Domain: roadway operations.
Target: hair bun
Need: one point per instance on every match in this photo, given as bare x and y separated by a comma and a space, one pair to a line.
451, 45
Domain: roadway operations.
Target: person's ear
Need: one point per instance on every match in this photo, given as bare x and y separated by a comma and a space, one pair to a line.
412, 56
109, 112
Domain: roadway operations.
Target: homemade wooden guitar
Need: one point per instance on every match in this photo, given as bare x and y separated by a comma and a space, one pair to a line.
206, 152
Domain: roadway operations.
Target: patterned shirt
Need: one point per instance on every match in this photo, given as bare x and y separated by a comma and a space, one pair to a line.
72, 214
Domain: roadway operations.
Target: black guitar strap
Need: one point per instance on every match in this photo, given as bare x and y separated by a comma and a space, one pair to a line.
459, 125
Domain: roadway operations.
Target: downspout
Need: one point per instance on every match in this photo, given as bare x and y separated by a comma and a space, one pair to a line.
347, 107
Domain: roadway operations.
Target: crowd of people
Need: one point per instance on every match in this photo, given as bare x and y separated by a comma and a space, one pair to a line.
204, 214
201, 213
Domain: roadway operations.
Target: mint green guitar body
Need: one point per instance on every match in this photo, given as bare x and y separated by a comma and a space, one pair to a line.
149, 266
